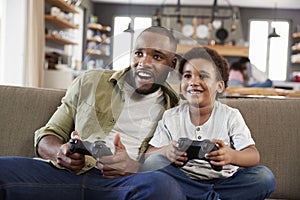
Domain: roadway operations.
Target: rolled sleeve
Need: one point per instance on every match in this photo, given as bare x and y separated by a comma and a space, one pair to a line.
61, 124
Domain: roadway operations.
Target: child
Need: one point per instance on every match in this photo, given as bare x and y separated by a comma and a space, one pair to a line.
204, 77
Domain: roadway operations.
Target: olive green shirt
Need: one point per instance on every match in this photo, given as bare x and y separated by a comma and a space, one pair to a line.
92, 106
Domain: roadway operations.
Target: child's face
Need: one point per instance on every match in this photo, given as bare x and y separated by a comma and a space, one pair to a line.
199, 84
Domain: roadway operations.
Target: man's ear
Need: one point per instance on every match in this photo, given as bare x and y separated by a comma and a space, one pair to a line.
221, 86
173, 63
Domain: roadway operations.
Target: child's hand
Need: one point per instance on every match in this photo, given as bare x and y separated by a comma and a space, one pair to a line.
222, 156
171, 152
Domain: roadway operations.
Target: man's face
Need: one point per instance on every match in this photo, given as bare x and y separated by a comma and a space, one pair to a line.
153, 58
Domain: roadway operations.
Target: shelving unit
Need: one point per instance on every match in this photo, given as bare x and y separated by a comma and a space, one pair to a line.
59, 38
102, 44
98, 49
295, 57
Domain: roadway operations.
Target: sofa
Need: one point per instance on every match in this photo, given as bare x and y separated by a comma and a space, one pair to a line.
274, 123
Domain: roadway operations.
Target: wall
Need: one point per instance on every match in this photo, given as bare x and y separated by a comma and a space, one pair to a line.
13, 30
106, 12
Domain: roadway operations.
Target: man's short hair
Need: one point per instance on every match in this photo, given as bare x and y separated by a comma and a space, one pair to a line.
162, 31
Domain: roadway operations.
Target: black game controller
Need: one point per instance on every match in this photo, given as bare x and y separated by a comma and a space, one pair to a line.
197, 149
96, 149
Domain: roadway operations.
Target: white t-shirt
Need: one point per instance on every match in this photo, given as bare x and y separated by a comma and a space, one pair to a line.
225, 123
138, 117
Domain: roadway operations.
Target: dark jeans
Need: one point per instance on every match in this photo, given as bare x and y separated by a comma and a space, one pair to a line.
250, 183
26, 178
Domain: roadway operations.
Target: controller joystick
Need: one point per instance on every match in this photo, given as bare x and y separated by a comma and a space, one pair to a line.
96, 149
197, 149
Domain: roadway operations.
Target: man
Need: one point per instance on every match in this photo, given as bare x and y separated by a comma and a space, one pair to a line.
122, 108
253, 76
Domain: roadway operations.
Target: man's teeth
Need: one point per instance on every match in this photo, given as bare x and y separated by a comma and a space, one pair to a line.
144, 75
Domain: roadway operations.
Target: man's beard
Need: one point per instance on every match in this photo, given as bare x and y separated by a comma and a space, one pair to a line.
153, 88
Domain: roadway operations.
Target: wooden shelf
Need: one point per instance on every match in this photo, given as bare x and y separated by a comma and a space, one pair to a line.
296, 35
99, 40
296, 48
224, 50
94, 39
62, 5
95, 52
62, 23
99, 27
59, 40
296, 62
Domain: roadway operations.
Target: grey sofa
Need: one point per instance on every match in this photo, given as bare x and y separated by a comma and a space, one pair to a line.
274, 124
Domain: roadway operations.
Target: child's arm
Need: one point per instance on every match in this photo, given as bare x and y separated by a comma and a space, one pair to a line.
247, 157
170, 151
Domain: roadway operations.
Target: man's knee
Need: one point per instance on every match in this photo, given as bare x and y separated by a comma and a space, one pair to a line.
164, 185
155, 162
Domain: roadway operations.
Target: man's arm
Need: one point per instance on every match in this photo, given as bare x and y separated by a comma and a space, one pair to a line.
49, 146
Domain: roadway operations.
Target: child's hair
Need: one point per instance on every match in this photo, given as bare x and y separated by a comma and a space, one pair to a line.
221, 64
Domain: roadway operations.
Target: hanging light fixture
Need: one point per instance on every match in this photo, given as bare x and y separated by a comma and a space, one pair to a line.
273, 33
215, 10
129, 29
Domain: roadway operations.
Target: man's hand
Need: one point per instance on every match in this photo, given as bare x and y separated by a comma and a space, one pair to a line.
171, 152
119, 164
74, 162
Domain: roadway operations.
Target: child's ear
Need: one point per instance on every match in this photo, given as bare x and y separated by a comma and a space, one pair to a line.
221, 86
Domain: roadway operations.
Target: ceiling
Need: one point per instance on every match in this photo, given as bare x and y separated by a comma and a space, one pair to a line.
281, 4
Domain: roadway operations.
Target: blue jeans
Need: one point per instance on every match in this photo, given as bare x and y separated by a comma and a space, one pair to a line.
246, 184
268, 83
26, 178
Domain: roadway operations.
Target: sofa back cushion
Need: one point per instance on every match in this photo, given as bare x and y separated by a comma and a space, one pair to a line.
275, 127
22, 111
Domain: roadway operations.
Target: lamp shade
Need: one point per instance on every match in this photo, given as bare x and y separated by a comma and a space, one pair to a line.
273, 34
129, 29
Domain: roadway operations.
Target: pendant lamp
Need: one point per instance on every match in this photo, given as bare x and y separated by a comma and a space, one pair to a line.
273, 33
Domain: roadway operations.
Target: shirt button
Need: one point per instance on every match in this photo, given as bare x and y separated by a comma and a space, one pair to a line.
199, 137
198, 129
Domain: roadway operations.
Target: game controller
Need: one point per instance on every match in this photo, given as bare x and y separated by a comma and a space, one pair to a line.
96, 149
197, 149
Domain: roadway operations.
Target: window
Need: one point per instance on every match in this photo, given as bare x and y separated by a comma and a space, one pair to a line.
270, 55
123, 41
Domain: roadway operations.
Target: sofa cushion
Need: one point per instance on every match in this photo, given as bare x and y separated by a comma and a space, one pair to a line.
275, 127
22, 111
